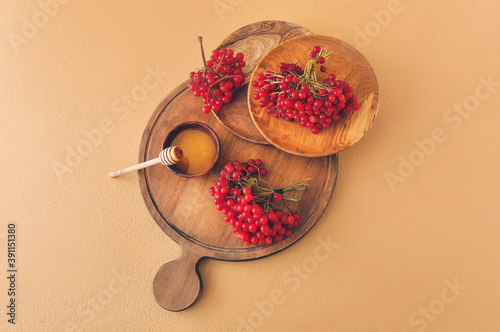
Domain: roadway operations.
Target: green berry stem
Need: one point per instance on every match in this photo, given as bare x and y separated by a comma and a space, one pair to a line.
309, 77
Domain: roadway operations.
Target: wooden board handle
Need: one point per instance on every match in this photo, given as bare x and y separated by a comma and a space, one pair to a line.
177, 284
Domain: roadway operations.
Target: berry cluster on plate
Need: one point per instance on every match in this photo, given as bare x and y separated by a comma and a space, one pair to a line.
295, 94
220, 76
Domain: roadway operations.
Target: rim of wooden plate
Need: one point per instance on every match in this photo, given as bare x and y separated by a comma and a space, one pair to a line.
349, 65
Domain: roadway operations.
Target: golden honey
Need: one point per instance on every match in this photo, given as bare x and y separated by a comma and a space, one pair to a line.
199, 151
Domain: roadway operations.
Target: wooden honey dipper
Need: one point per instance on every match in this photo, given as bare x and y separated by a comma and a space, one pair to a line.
168, 156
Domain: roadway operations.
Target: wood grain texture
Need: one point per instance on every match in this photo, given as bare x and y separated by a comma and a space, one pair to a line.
184, 209
349, 65
254, 41
177, 285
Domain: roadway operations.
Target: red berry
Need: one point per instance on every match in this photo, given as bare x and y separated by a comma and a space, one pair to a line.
251, 169
243, 236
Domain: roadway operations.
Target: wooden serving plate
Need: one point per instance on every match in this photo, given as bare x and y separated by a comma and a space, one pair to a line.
349, 65
254, 41
185, 211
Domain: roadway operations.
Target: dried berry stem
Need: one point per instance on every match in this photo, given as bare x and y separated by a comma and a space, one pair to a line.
263, 195
200, 40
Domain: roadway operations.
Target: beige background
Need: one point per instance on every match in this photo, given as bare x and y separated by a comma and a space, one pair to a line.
415, 249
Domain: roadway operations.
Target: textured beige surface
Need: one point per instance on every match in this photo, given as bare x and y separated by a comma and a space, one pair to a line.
412, 248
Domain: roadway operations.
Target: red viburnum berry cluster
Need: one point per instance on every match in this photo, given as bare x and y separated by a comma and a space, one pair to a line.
251, 208
296, 94
218, 79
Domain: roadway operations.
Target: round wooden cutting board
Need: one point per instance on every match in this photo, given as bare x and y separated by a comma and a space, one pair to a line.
184, 209
254, 41
347, 64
